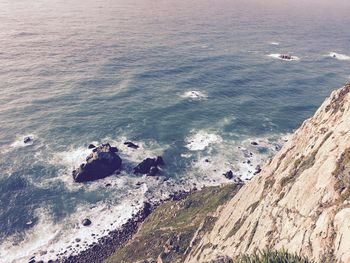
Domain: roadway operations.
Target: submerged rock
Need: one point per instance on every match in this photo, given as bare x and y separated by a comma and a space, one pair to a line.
101, 163
149, 166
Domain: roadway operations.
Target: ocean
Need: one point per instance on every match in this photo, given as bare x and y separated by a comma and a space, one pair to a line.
193, 81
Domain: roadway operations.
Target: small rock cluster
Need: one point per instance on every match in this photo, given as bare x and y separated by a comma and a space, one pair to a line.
105, 161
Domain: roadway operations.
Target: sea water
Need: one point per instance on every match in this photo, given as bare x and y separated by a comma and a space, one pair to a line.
193, 81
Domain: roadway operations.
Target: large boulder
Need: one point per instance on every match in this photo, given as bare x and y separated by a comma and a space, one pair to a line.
102, 162
149, 166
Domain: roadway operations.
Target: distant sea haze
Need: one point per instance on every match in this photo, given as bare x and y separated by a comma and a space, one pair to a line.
201, 84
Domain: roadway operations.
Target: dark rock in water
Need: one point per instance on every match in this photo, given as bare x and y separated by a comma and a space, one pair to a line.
159, 161
77, 240
108, 185
91, 146
229, 175
206, 160
31, 261
147, 209
254, 143
99, 164
131, 145
257, 169
114, 149
286, 56
27, 140
86, 222
149, 166
153, 171
145, 166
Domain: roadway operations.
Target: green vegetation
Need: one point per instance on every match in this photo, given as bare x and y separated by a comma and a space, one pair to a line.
271, 256
168, 232
342, 174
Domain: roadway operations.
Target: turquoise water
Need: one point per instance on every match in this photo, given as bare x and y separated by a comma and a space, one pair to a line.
78, 72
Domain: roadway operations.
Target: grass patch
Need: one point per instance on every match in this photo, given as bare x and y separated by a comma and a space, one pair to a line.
168, 231
271, 256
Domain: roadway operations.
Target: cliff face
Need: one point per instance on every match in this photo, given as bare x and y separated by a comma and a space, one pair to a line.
301, 199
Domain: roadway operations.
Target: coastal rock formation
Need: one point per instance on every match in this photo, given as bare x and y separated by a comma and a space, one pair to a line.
149, 166
299, 201
102, 162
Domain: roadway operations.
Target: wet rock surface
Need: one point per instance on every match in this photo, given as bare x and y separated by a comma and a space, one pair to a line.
27, 140
86, 222
102, 162
229, 175
149, 166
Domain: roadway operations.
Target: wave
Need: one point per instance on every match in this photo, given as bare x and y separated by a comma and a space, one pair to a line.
201, 139
278, 56
339, 56
54, 240
209, 156
194, 95
274, 43
241, 157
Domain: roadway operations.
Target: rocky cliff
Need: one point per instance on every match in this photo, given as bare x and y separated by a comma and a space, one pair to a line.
301, 199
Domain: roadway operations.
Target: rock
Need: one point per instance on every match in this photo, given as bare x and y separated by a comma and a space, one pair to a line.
86, 222
91, 146
153, 171
108, 185
254, 143
131, 145
159, 161
77, 240
229, 175
285, 56
149, 166
147, 209
257, 169
27, 140
114, 149
101, 163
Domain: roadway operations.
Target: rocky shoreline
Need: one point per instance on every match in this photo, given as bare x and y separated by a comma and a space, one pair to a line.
107, 245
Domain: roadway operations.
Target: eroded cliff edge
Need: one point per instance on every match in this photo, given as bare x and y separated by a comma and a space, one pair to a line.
301, 199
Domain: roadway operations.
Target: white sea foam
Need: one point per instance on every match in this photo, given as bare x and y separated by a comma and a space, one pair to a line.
73, 157
275, 43
201, 139
241, 157
195, 95
278, 56
212, 157
339, 56
48, 238
19, 142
